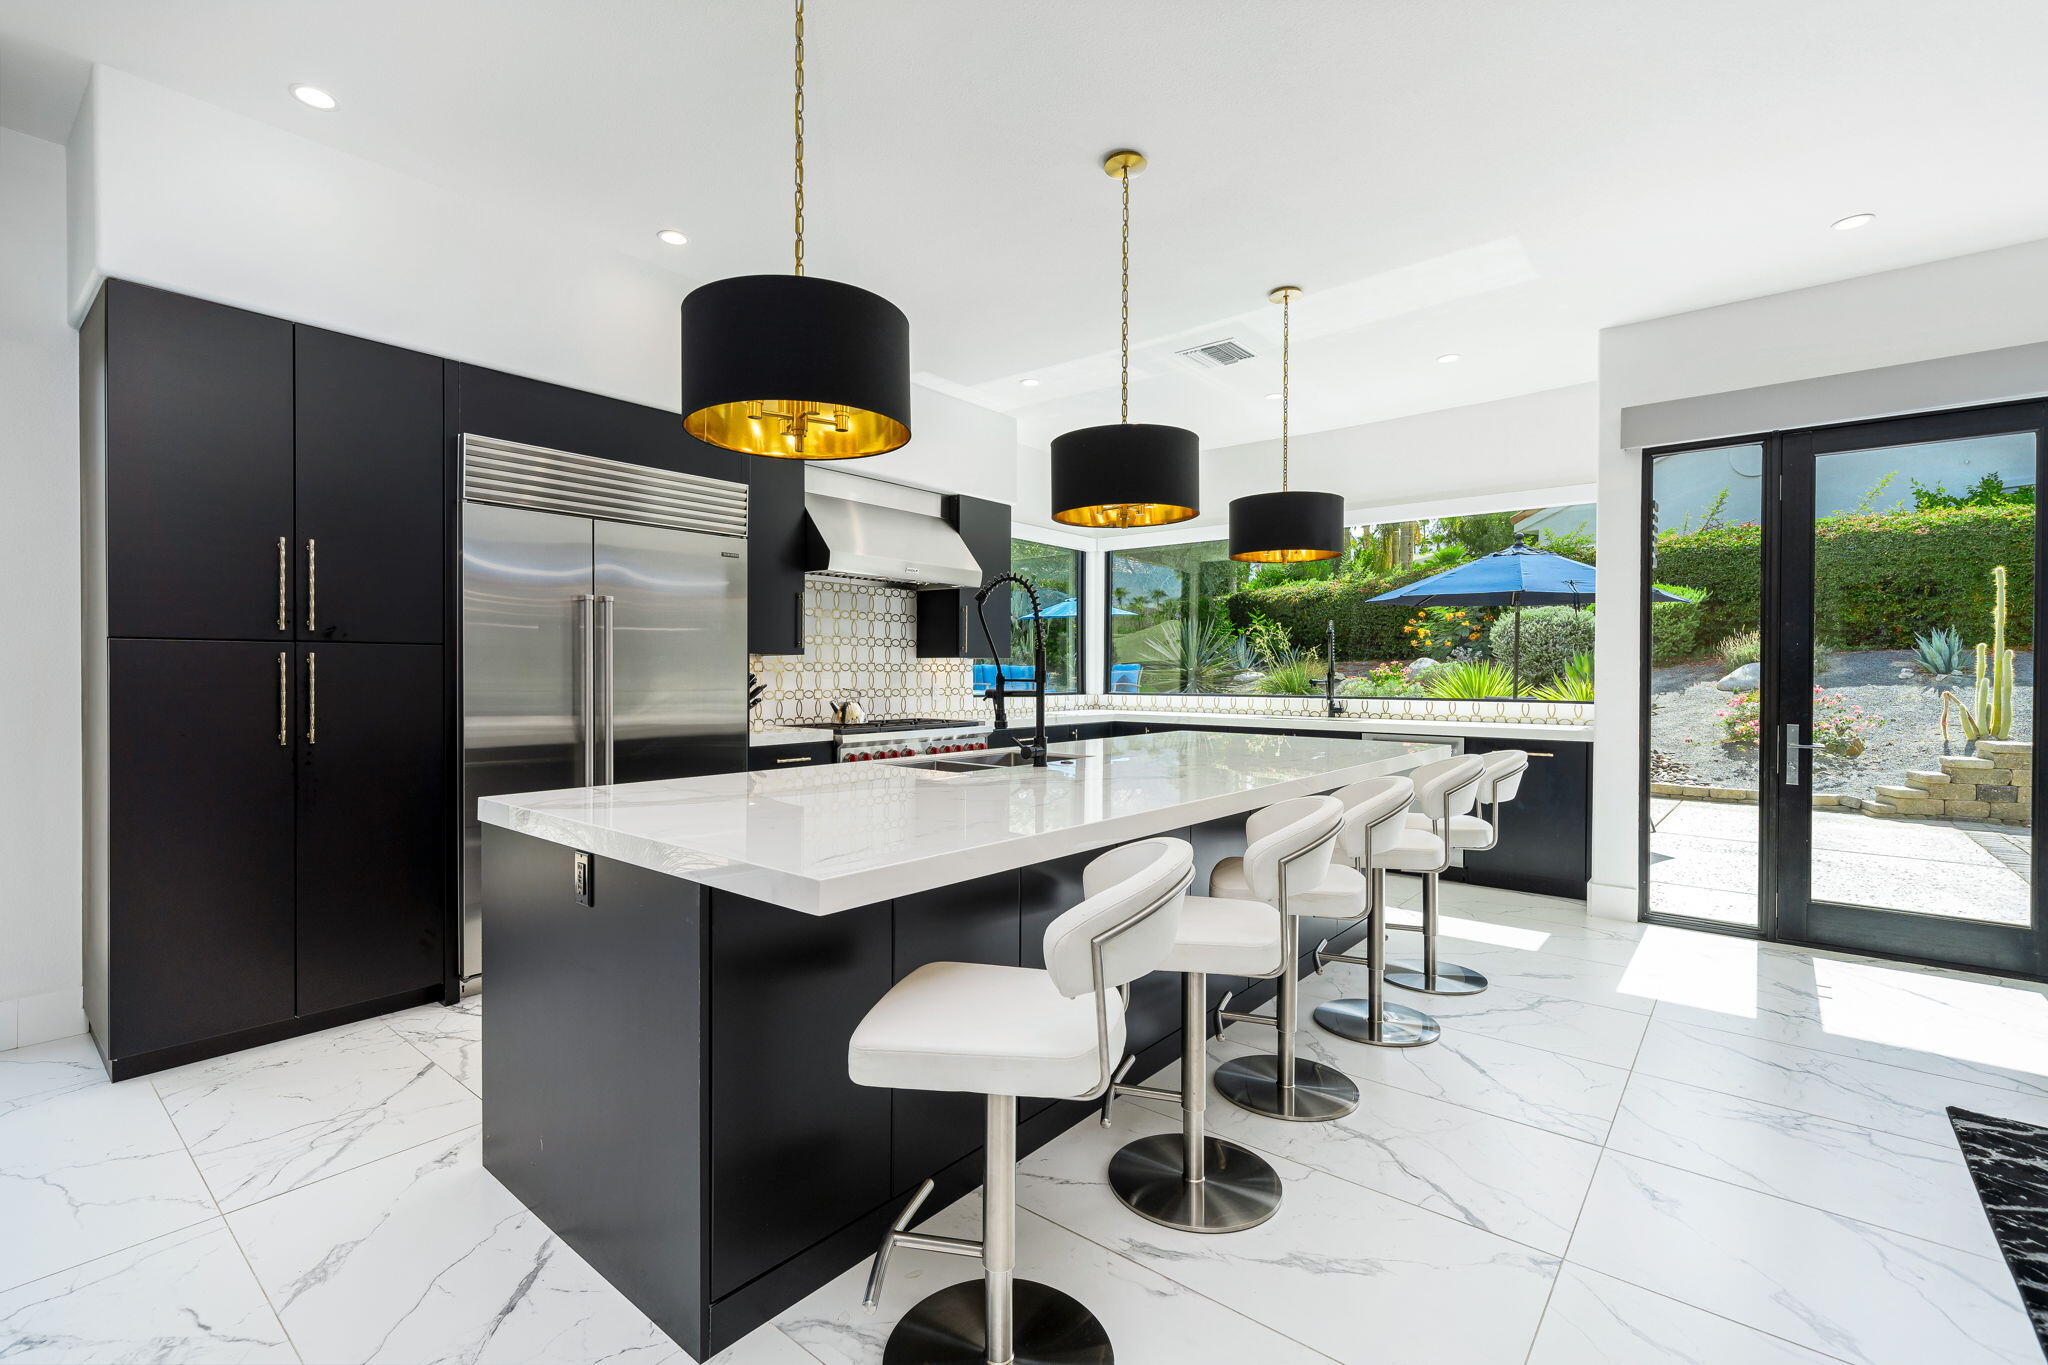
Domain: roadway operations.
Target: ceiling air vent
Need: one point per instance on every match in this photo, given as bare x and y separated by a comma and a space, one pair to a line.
1214, 355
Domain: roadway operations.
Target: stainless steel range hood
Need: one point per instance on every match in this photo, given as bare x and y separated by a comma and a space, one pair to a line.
889, 533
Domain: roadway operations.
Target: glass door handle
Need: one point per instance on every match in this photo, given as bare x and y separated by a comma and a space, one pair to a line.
1792, 748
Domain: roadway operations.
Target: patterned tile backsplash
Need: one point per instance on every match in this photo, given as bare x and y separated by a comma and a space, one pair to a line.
860, 641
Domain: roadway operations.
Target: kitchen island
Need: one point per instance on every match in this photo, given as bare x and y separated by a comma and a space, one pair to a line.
676, 968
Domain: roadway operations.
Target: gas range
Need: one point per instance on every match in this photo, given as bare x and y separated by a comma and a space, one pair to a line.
906, 737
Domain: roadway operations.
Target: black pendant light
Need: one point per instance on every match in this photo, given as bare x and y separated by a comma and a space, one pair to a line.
1132, 473
1286, 527
793, 366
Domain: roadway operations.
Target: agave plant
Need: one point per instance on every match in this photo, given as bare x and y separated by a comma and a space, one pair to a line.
1939, 651
1470, 680
1574, 684
1208, 659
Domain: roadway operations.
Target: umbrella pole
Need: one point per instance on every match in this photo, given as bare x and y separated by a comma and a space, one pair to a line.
1515, 670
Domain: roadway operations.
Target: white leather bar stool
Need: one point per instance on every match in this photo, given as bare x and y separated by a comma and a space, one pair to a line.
1289, 864
1376, 837
1444, 795
1189, 1180
1005, 1032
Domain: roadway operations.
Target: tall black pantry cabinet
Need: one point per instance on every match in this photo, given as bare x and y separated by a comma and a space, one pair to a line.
268, 822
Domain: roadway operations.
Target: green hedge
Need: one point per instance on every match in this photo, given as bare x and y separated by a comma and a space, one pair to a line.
1364, 630
1879, 578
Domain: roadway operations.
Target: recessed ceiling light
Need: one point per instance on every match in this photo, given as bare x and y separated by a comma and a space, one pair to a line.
1029, 383
1854, 221
313, 97
672, 237
1272, 398
1449, 358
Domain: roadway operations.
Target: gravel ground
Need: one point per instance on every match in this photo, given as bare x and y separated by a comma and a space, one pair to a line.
1683, 700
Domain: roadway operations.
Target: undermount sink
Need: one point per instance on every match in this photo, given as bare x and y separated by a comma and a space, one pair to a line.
995, 758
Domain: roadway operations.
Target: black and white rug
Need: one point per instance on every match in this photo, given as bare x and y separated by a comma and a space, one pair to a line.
2008, 1160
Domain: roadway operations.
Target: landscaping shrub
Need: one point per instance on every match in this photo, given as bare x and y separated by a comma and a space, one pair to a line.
1298, 678
1574, 684
1469, 680
1384, 680
1363, 631
1675, 626
1838, 727
1880, 578
1551, 636
1743, 647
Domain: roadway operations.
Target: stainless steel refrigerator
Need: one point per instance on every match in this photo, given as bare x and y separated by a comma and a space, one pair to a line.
604, 632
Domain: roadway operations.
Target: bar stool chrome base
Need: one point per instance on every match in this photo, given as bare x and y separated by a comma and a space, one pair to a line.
1399, 1025
1449, 978
1318, 1093
951, 1328
1239, 1189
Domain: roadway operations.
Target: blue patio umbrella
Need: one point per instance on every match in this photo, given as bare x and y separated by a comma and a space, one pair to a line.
1067, 610
1519, 576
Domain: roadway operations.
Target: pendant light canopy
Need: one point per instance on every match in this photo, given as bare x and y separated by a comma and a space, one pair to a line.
793, 366
1286, 527
1132, 473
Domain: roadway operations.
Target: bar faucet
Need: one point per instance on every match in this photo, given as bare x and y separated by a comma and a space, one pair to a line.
1330, 678
1036, 747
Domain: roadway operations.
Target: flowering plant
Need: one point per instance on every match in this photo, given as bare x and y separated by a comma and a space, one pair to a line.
1838, 727
1434, 629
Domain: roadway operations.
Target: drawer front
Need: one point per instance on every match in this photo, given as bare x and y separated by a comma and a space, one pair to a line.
769, 757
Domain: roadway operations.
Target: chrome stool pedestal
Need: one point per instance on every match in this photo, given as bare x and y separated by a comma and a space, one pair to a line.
1374, 1021
1427, 974
1280, 1084
1189, 1180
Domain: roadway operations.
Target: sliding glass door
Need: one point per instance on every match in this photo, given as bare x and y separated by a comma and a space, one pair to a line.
1840, 726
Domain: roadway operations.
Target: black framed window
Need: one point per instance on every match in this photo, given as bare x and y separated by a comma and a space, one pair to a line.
1057, 573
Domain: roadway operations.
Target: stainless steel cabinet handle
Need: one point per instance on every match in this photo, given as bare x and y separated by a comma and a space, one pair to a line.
586, 684
796, 760
284, 686
284, 569
312, 697
605, 694
312, 586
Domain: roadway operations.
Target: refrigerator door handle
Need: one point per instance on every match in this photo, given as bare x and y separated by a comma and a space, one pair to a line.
586, 684
606, 689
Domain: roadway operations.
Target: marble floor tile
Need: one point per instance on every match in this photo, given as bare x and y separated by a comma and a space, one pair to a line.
186, 1297
1595, 1319
1535, 936
1904, 1184
1522, 1183
88, 1173
1889, 1099
765, 1345
1594, 983
452, 1036
1826, 1282
1527, 1084
1151, 1318
1346, 1270
274, 1118
31, 1075
424, 1257
1593, 1033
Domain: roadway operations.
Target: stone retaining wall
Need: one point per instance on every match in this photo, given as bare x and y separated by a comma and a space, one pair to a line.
1995, 784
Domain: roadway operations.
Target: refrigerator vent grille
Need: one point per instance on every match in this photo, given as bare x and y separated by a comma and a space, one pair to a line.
515, 475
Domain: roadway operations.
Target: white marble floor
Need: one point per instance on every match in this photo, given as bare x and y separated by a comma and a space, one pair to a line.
1642, 1145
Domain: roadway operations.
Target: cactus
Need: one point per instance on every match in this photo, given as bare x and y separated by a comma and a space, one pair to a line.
1989, 713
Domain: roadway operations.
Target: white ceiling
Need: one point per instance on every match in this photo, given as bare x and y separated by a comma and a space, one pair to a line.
1498, 178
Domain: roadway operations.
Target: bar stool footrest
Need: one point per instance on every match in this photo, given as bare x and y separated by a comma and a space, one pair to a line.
951, 1328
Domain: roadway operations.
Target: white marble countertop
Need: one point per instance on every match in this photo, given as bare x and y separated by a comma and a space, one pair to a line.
829, 838
1375, 725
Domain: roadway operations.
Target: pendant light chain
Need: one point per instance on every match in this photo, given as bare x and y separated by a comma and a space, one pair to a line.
799, 137
1125, 380
1286, 378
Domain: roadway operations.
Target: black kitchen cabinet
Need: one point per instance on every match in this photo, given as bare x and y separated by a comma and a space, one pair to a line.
371, 554
776, 552
189, 432
373, 827
189, 926
1546, 832
797, 1149
947, 625
768, 757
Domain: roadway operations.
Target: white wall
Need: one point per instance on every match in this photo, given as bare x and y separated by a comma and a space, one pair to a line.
39, 687
175, 192
1937, 335
1528, 451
